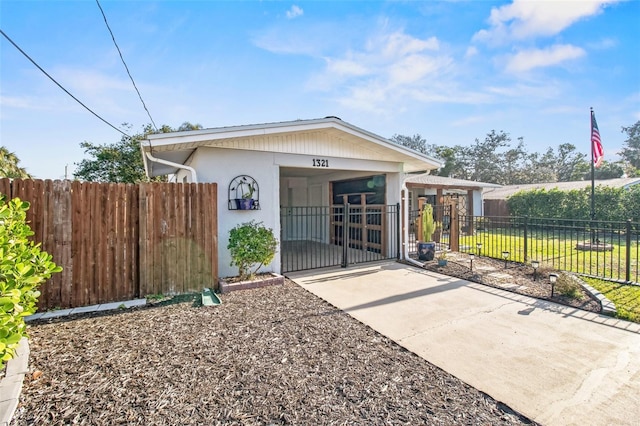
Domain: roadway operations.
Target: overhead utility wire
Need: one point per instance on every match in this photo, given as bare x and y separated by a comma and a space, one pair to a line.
59, 85
125, 65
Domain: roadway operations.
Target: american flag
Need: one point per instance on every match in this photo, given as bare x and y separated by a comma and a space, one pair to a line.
596, 145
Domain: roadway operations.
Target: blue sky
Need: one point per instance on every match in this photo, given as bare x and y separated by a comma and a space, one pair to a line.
451, 71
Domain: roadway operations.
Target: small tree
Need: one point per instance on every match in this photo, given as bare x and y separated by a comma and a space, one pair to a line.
251, 243
23, 267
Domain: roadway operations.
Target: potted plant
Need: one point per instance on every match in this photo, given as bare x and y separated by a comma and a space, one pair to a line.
426, 246
246, 202
442, 258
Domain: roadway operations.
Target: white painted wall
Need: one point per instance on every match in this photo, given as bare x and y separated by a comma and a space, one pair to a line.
221, 165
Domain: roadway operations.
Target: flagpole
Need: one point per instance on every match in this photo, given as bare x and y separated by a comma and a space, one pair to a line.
593, 168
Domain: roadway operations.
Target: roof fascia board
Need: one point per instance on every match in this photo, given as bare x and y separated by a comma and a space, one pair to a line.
372, 137
238, 132
195, 136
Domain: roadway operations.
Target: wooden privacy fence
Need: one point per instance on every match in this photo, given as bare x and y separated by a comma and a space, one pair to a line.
121, 241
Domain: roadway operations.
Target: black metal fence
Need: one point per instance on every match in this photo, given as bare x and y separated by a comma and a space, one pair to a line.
442, 221
338, 235
600, 249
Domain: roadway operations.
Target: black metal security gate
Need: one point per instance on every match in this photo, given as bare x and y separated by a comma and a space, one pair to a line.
338, 235
442, 233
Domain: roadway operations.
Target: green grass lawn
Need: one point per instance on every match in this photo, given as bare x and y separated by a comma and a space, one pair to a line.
559, 252
626, 297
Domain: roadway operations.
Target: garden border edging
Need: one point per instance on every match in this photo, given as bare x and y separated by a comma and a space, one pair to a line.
606, 305
11, 384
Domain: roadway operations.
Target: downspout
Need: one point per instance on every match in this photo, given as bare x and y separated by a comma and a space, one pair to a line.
405, 232
194, 177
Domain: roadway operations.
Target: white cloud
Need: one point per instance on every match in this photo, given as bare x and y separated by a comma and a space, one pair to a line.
369, 98
525, 19
412, 69
90, 81
294, 12
21, 103
298, 38
603, 44
471, 51
390, 68
526, 60
346, 67
399, 44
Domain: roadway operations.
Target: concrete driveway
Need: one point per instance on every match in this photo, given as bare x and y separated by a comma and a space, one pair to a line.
556, 365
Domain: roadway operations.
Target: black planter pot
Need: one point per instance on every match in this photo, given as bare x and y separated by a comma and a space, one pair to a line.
244, 203
426, 251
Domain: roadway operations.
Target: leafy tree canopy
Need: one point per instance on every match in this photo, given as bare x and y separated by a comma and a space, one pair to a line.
631, 151
415, 142
120, 162
9, 165
494, 159
607, 170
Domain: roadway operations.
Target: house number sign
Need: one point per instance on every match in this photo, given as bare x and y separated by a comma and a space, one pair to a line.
320, 162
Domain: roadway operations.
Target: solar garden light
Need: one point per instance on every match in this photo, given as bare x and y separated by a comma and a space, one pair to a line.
479, 247
505, 255
552, 279
535, 265
471, 257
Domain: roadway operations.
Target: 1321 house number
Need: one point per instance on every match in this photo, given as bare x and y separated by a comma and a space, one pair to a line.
320, 162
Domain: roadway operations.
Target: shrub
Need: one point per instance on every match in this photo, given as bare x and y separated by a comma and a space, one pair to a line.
23, 267
568, 287
251, 243
615, 204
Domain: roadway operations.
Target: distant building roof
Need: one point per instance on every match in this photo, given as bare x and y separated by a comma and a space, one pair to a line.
435, 181
504, 192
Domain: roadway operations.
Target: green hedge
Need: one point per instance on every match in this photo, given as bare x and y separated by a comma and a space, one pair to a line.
611, 204
23, 267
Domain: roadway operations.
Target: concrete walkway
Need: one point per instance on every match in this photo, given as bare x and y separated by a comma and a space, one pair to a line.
556, 365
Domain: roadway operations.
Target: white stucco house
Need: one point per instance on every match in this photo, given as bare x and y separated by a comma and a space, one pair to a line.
298, 170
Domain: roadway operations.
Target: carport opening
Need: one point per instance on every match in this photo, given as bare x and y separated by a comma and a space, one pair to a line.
318, 229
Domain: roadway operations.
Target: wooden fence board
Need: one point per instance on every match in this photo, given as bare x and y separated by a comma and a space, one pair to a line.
143, 209
5, 188
61, 283
78, 235
120, 241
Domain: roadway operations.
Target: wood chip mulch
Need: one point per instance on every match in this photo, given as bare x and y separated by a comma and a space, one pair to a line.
273, 355
515, 277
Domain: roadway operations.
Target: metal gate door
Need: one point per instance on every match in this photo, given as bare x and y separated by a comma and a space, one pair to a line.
441, 236
338, 235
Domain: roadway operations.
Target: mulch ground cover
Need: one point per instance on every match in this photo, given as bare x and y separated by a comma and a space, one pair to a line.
515, 277
273, 355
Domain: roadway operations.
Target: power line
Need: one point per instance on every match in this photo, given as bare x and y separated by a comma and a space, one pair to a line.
59, 85
125, 65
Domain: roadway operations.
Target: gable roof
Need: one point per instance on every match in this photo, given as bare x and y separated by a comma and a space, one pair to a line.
325, 136
506, 191
447, 182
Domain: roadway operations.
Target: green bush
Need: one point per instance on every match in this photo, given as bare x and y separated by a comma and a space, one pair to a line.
23, 267
611, 204
568, 287
249, 244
